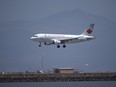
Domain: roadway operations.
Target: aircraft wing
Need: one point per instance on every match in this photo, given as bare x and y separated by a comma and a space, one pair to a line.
63, 41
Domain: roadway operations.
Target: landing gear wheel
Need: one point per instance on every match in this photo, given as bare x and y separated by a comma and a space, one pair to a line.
39, 45
58, 46
64, 46
45, 43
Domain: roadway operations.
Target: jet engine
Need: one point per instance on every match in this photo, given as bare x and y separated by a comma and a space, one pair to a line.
56, 42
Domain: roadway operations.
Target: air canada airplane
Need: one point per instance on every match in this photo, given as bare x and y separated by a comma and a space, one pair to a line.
58, 39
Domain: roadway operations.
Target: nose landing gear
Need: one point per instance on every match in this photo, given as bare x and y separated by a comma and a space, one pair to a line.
39, 44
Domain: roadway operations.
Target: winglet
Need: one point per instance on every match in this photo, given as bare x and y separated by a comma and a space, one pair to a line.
89, 30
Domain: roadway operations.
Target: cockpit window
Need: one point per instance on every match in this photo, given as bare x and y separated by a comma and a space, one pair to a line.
35, 36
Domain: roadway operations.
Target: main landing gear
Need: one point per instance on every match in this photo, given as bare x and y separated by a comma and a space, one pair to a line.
64, 46
58, 46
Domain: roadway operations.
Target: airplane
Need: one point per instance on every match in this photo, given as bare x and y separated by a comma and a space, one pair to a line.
58, 39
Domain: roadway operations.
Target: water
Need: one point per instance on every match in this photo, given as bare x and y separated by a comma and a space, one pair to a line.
61, 84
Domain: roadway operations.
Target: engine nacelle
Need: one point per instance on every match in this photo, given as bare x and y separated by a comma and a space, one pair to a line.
56, 42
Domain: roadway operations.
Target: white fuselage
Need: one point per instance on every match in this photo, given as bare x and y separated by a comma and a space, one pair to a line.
48, 38
58, 39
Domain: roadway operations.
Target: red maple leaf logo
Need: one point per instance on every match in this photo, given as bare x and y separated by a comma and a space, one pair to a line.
89, 31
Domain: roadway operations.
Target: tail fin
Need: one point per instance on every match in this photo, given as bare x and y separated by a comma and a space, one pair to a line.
89, 30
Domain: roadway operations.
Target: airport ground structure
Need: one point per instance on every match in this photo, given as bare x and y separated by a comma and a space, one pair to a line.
56, 77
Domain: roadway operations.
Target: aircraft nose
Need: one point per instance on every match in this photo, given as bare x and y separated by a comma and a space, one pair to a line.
32, 38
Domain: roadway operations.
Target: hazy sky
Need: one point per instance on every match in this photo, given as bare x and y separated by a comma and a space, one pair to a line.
19, 20
37, 9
